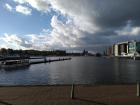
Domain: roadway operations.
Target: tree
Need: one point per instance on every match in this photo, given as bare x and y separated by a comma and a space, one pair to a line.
10, 51
3, 51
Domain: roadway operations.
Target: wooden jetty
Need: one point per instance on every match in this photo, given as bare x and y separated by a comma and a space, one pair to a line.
42, 60
49, 60
13, 58
19, 57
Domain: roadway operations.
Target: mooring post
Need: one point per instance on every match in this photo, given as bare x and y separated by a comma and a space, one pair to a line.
72, 92
138, 89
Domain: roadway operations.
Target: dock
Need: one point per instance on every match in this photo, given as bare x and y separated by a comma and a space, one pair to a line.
49, 60
41, 60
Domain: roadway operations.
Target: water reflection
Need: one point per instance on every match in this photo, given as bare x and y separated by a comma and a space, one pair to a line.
125, 70
15, 68
79, 70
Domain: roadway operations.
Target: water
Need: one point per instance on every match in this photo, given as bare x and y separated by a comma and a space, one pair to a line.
79, 70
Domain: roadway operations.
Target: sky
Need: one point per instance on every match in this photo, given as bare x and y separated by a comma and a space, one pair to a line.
68, 24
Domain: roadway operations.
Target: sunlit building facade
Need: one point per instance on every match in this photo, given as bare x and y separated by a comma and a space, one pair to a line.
128, 48
121, 49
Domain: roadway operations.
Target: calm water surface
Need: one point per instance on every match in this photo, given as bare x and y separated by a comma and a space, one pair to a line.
79, 70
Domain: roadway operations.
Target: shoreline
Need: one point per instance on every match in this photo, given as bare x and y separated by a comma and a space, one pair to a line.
60, 95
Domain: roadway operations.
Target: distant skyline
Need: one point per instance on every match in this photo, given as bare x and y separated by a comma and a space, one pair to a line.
68, 24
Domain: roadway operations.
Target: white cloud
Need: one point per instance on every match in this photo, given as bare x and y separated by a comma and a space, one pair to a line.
11, 38
20, 1
24, 10
14, 41
64, 35
39, 42
136, 31
32, 41
4, 46
129, 30
79, 11
40, 5
8, 7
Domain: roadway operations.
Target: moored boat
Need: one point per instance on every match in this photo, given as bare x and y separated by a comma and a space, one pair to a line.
14, 63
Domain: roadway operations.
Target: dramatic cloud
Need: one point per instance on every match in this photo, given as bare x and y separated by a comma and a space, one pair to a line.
24, 10
8, 7
100, 22
129, 30
94, 14
68, 36
64, 35
90, 24
79, 11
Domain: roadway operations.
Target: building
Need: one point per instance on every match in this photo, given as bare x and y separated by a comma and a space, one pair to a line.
134, 48
119, 49
128, 48
116, 52
110, 51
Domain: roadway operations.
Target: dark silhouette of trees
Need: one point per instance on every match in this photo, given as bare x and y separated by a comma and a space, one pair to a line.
3, 51
27, 53
10, 51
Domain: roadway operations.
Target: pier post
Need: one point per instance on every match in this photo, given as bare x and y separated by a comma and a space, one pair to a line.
138, 89
72, 92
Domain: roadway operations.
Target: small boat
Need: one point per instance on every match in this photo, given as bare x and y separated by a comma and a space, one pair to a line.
15, 63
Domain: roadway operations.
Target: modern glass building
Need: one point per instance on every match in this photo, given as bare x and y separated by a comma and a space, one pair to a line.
129, 48
138, 47
133, 47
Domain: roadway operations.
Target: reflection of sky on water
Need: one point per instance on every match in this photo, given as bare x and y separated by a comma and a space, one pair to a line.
79, 70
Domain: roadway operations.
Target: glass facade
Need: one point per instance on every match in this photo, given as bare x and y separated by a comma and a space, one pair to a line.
127, 48
138, 47
132, 47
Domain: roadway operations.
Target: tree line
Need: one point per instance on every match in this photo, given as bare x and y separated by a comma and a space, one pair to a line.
11, 52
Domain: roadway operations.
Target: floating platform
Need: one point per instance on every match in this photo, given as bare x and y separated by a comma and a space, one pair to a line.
50, 60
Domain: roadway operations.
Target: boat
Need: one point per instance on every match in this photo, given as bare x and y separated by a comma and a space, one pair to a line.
15, 63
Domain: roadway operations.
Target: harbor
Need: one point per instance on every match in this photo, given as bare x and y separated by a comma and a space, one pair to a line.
78, 70
69, 52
